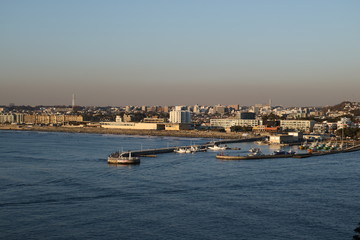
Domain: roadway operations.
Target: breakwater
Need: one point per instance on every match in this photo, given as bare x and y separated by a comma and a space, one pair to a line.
171, 149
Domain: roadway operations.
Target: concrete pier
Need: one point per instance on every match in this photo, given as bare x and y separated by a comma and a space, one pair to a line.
171, 149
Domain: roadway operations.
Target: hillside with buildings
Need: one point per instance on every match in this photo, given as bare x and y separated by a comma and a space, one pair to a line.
258, 119
346, 108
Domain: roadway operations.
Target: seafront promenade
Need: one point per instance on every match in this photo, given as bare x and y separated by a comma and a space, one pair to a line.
181, 133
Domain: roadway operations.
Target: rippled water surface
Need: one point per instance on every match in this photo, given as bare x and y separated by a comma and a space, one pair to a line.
59, 186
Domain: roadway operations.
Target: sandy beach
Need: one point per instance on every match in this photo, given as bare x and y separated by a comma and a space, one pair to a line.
182, 133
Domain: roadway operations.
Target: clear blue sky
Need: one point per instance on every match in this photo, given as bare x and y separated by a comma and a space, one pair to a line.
172, 52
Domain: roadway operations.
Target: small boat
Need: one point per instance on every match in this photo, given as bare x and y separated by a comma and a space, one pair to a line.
255, 152
305, 145
122, 159
279, 152
183, 150
252, 150
180, 150
195, 148
282, 152
217, 148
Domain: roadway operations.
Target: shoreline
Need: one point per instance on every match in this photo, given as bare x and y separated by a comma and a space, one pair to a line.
161, 133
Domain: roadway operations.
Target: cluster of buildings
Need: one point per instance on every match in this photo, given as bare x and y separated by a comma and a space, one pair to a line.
257, 117
179, 119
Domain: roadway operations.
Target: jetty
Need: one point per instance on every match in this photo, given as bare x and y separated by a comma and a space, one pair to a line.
296, 155
155, 151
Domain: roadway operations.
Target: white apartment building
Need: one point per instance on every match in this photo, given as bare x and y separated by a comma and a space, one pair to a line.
298, 125
229, 122
12, 118
7, 118
180, 116
344, 123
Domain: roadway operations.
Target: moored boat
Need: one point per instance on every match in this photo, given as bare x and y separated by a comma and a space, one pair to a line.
122, 159
183, 150
217, 148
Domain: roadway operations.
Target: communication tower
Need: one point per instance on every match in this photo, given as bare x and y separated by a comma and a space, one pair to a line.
73, 100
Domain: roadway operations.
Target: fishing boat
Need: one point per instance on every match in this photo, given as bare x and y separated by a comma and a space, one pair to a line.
279, 152
305, 145
255, 152
123, 159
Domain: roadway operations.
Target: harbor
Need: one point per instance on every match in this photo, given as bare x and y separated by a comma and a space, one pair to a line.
221, 146
193, 148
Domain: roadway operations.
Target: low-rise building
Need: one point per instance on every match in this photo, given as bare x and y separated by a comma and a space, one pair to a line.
283, 139
176, 126
51, 119
133, 125
263, 128
154, 120
229, 122
12, 118
297, 125
7, 118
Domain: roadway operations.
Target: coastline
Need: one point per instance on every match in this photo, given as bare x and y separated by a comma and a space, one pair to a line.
181, 133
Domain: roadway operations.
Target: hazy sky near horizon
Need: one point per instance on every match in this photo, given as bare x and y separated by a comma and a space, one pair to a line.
179, 52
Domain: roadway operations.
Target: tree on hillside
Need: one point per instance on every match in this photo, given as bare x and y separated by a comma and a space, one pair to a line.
348, 132
240, 129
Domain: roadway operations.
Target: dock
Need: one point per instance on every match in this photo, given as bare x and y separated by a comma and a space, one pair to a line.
298, 155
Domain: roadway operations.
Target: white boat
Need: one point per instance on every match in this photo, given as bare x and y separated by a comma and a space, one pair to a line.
252, 150
183, 150
180, 150
217, 148
194, 148
255, 152
121, 159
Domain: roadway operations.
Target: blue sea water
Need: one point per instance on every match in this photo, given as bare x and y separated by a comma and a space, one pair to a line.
59, 186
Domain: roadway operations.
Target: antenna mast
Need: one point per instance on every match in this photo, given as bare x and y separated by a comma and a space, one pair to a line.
73, 100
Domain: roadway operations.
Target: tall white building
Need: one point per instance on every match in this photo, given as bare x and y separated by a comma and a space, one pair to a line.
196, 109
179, 115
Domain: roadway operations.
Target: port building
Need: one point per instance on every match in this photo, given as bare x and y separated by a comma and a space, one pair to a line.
133, 125
291, 137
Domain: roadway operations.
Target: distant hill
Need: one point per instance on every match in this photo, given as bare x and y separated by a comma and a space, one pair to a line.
346, 106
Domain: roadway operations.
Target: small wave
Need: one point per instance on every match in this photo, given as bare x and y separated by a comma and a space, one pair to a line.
56, 201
